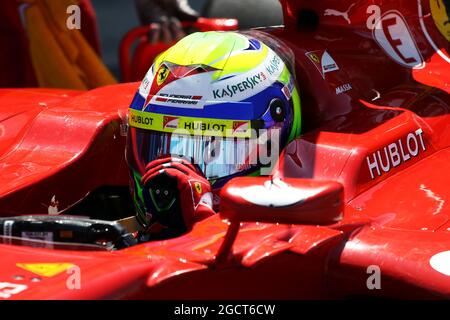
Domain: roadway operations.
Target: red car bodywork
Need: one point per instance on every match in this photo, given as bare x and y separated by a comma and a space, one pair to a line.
376, 125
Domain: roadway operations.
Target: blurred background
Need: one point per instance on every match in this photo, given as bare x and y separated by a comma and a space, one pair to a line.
116, 18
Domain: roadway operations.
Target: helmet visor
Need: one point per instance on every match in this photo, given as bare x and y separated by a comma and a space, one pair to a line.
217, 157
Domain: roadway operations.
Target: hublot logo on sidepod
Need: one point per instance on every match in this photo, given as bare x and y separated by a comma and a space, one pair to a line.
396, 153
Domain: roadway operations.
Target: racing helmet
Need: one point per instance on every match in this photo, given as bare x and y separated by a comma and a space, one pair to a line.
217, 99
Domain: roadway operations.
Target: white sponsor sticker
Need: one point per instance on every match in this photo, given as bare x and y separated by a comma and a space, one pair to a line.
323, 61
393, 35
328, 63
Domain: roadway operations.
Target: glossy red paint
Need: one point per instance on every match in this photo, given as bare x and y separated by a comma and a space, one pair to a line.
385, 139
57, 138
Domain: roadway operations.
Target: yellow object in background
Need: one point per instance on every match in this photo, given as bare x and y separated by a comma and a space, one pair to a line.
441, 18
61, 57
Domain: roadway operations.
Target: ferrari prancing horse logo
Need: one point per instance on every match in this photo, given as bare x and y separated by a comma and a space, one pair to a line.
162, 75
198, 187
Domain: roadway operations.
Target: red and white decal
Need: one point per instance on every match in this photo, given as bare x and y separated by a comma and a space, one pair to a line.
144, 88
38, 235
323, 61
170, 122
393, 35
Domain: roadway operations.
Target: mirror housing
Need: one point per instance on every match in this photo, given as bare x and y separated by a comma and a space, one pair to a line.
287, 201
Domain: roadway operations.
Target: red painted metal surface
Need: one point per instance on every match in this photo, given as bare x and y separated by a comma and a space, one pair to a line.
60, 140
378, 126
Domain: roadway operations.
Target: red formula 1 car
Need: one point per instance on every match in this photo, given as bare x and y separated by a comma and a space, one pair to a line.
368, 208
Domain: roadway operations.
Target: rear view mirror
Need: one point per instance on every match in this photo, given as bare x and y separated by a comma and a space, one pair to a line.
287, 201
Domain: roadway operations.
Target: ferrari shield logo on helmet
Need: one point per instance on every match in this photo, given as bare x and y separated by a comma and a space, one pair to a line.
162, 75
198, 187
